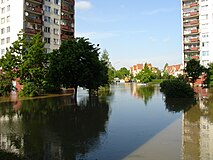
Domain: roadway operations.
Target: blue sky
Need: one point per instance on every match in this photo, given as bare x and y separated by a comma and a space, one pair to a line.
132, 31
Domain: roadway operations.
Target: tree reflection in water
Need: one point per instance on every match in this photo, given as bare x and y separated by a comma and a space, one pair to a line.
146, 93
179, 104
53, 128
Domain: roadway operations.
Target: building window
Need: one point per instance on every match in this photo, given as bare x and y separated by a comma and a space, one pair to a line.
205, 35
47, 8
2, 41
56, 41
56, 31
56, 11
204, 17
2, 51
47, 40
56, 21
8, 40
205, 53
8, 18
2, 31
47, 19
56, 1
8, 8
2, 20
8, 29
47, 0
47, 29
205, 44
2, 10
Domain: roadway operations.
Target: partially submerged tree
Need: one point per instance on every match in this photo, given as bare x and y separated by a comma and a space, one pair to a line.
77, 63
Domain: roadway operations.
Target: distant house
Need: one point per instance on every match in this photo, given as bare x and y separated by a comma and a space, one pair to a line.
174, 70
135, 69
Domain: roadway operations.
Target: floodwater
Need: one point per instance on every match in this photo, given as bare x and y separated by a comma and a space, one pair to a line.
129, 122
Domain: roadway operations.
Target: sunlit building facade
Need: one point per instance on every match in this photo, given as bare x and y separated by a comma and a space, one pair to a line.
197, 31
54, 19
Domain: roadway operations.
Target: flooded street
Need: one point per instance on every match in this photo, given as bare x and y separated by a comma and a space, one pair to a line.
129, 122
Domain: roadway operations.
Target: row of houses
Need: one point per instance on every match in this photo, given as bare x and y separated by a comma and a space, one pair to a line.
173, 70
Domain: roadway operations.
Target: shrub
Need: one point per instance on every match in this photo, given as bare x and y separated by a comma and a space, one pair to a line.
176, 88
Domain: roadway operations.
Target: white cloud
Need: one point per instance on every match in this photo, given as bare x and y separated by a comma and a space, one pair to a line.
83, 5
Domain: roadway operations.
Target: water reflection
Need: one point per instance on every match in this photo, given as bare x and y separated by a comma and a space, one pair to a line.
53, 128
143, 92
198, 131
179, 104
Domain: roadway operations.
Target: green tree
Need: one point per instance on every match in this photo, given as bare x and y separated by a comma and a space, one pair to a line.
193, 70
111, 69
146, 75
122, 73
26, 59
77, 64
9, 67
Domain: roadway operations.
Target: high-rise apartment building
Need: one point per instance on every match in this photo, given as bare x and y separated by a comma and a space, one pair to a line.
54, 19
197, 30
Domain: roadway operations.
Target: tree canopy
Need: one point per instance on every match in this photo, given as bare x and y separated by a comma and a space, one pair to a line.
193, 70
25, 59
77, 63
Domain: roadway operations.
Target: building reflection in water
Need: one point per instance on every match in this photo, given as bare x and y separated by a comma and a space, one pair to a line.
53, 128
198, 130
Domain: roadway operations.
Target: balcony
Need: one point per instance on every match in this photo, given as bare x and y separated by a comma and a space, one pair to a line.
194, 48
36, 1
65, 17
191, 23
191, 50
194, 31
65, 8
67, 28
191, 15
64, 37
194, 40
194, 4
35, 10
190, 5
31, 31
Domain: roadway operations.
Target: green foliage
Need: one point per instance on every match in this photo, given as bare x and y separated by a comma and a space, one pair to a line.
6, 85
146, 75
209, 75
29, 89
26, 59
122, 73
111, 69
193, 70
176, 88
77, 64
5, 155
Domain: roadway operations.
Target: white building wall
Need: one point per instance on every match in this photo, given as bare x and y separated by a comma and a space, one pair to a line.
11, 22
206, 32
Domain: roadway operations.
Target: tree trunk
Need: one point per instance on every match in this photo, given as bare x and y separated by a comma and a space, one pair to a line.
75, 93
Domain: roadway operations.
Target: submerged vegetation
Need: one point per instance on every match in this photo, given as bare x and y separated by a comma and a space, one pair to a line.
176, 88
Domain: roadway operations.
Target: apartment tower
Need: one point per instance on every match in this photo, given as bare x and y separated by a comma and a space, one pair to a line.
197, 31
54, 19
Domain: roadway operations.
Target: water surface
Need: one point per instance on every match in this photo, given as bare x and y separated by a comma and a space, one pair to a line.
108, 127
